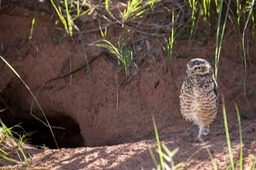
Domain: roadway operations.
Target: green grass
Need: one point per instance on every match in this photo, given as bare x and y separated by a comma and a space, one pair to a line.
193, 5
11, 147
32, 28
69, 13
220, 34
159, 147
123, 53
169, 43
132, 10
240, 162
206, 9
33, 96
241, 138
137, 11
166, 156
251, 7
227, 134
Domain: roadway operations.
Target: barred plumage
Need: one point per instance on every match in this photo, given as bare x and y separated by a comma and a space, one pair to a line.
199, 95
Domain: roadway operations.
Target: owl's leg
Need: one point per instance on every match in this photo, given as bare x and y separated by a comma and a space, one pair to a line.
201, 128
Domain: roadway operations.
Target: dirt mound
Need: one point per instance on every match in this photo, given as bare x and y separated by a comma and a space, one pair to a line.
109, 106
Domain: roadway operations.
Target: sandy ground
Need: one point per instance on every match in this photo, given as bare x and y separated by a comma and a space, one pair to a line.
111, 113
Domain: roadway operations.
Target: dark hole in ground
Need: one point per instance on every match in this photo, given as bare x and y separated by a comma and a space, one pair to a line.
40, 135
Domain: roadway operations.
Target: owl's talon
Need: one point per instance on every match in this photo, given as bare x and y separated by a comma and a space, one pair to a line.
205, 131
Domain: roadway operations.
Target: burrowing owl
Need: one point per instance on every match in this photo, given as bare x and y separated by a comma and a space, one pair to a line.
199, 95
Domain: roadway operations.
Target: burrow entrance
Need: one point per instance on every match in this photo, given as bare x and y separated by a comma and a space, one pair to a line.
67, 131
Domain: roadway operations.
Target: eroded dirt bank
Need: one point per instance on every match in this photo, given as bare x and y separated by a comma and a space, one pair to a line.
109, 108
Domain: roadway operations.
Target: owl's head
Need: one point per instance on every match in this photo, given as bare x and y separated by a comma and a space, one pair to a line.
199, 66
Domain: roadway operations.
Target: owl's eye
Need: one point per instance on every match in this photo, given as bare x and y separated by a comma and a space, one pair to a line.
198, 68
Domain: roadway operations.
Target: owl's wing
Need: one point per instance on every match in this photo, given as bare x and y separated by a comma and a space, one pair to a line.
215, 89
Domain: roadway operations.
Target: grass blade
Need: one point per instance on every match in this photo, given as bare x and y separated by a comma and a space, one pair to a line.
219, 38
159, 148
6, 136
227, 133
243, 41
241, 138
34, 98
32, 28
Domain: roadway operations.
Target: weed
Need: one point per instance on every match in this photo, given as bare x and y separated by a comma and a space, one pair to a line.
10, 145
34, 98
243, 40
132, 10
193, 5
234, 163
32, 28
250, 10
227, 134
136, 8
220, 34
241, 138
206, 9
167, 155
123, 53
152, 4
69, 13
159, 148
170, 41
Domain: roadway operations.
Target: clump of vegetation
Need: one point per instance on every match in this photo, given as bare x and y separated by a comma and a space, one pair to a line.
142, 17
11, 147
166, 156
123, 53
169, 42
68, 12
34, 99
178, 18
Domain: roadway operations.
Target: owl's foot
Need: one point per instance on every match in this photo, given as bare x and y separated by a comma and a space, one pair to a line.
205, 130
